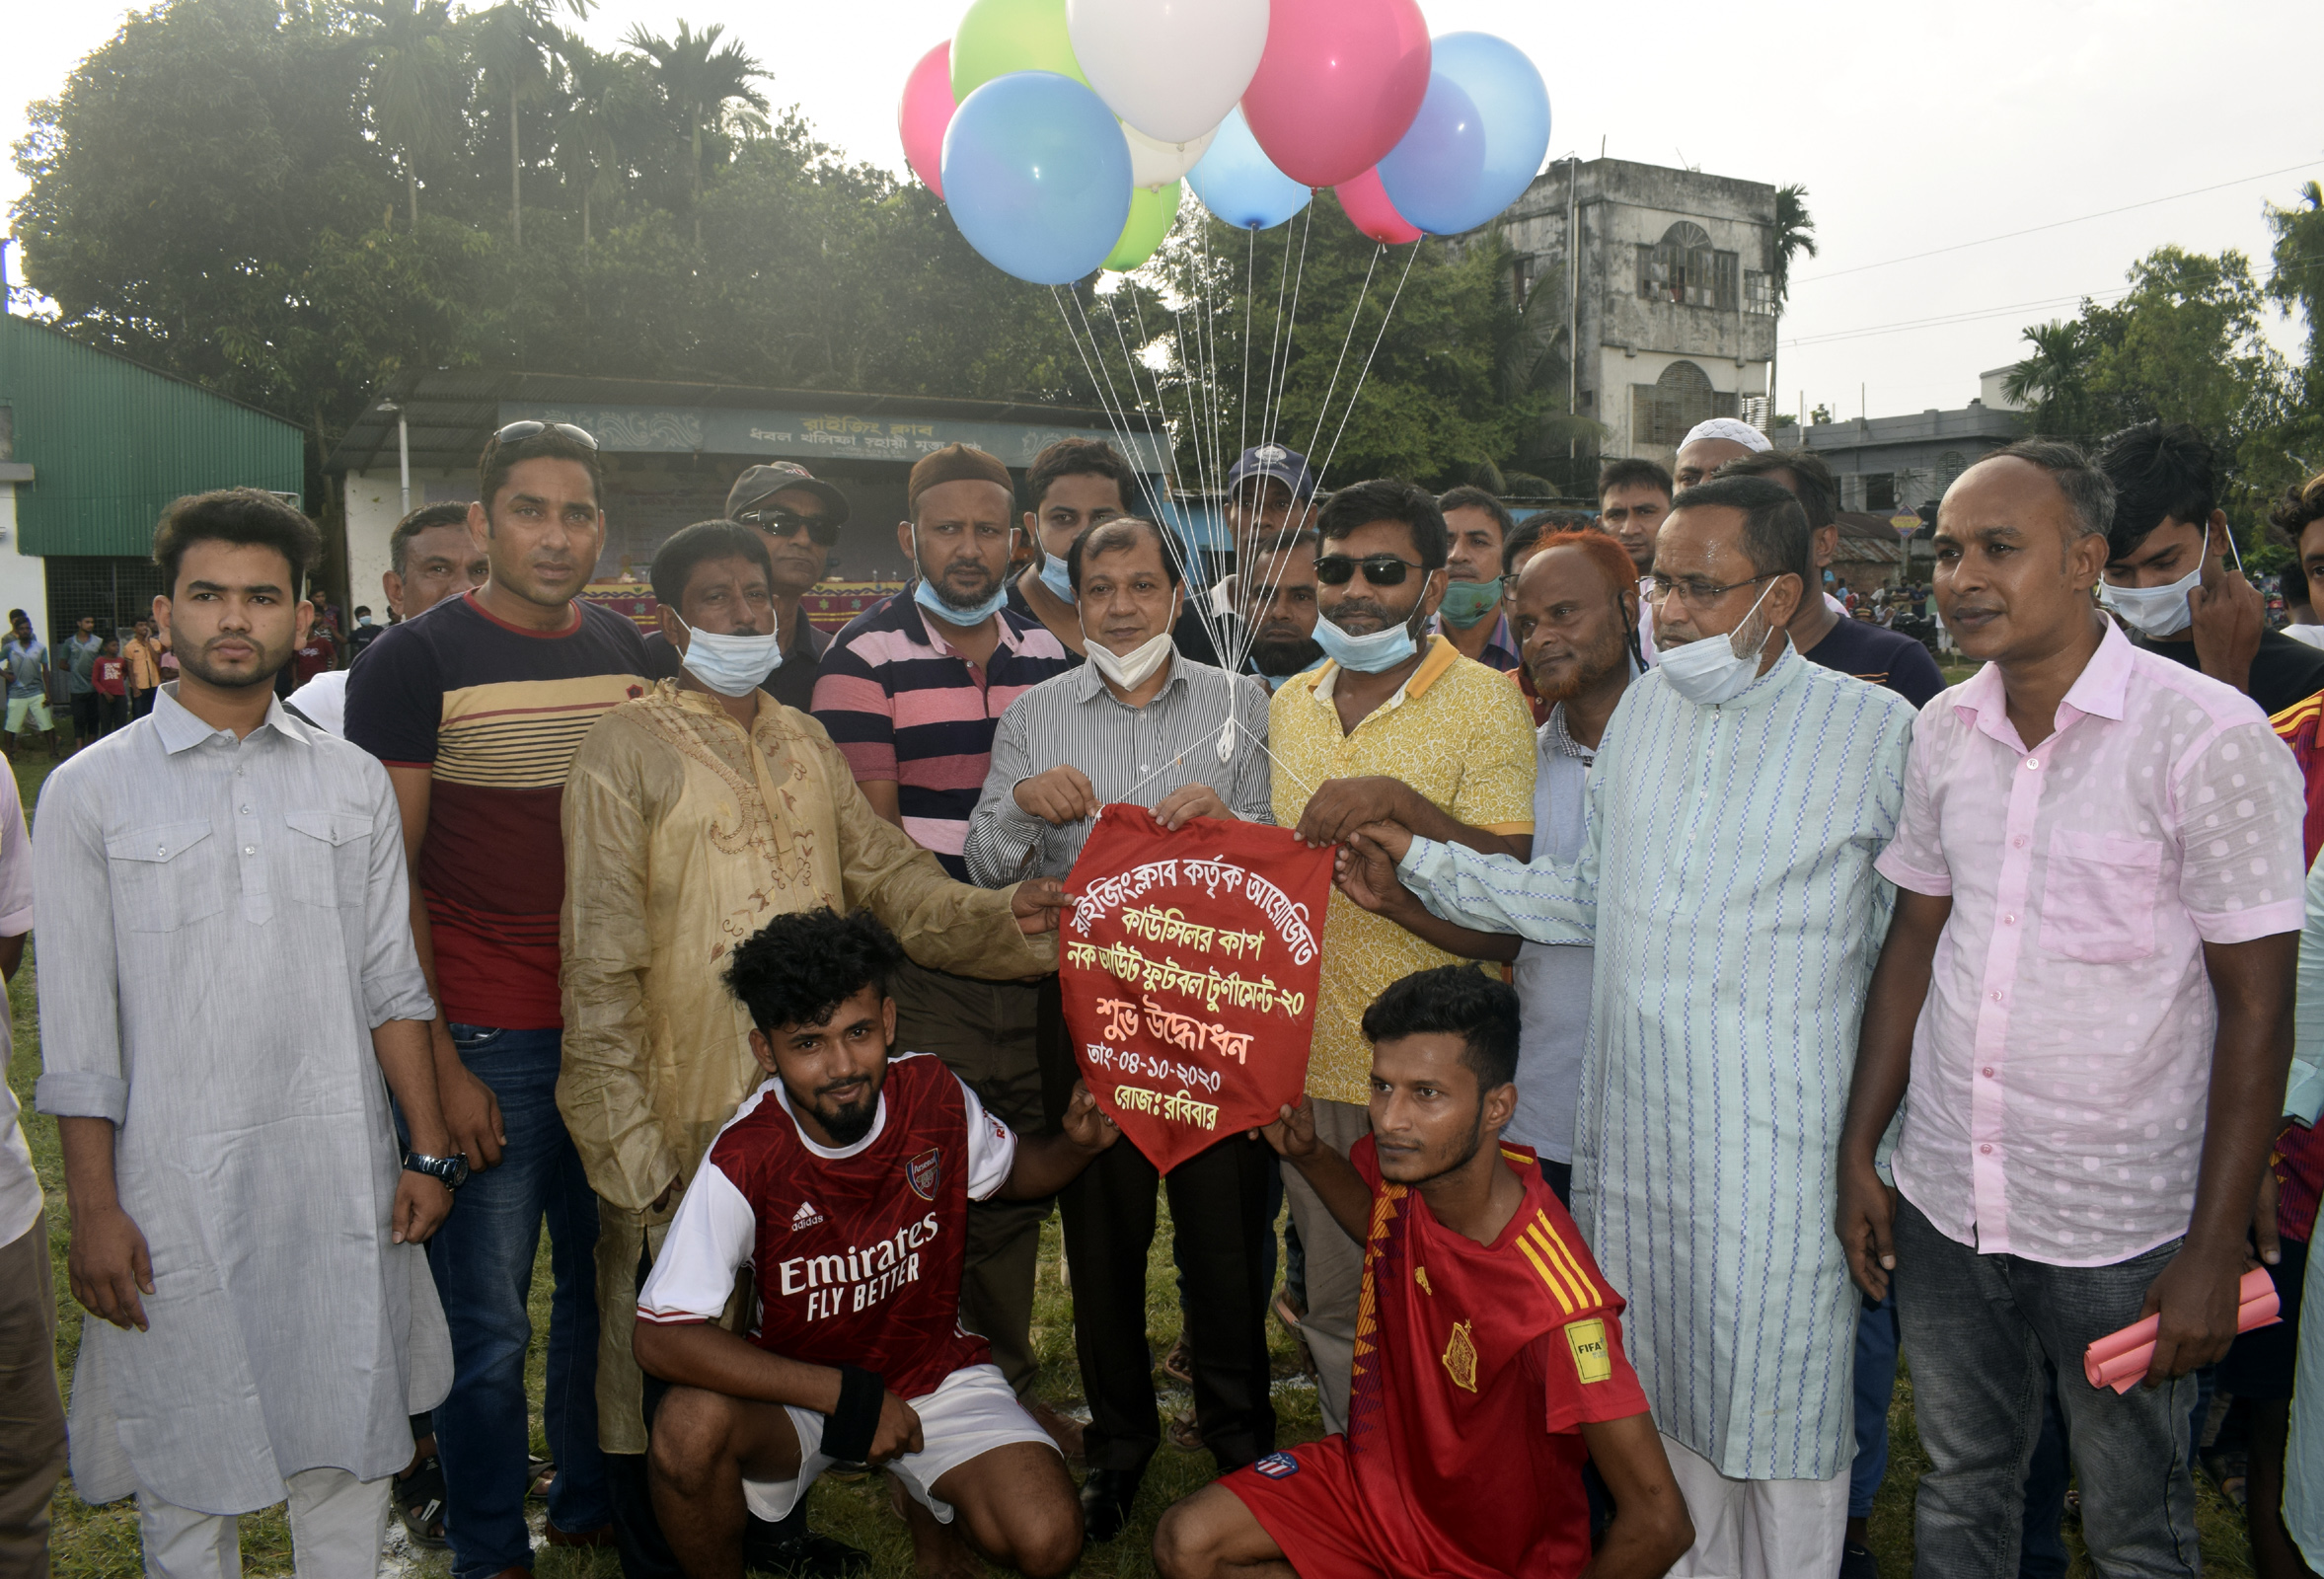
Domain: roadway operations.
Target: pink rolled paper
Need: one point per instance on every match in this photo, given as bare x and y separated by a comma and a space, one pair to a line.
2120, 1359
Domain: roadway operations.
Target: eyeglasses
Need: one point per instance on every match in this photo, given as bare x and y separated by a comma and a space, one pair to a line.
517, 433
789, 523
1380, 569
1695, 592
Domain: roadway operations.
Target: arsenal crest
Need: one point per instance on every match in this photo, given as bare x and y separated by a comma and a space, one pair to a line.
923, 1171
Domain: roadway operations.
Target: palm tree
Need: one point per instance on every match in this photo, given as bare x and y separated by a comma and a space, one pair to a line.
1795, 233
512, 44
701, 79
414, 82
2052, 383
588, 151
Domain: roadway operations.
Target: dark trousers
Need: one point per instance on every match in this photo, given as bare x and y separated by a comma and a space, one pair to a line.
1223, 1234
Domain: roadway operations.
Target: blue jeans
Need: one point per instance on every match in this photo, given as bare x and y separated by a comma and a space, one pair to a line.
483, 1260
1986, 1334
1876, 1385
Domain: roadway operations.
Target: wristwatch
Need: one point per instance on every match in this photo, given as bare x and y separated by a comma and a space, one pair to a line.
453, 1169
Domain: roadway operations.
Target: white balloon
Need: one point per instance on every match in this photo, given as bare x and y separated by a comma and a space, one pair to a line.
1170, 68
1157, 164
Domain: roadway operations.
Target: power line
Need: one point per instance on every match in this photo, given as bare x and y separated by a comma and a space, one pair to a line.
1969, 316
2054, 224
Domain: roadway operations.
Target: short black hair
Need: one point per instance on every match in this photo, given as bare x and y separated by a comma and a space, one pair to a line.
799, 967
1111, 537
2301, 504
1459, 1000
424, 519
1519, 538
1390, 498
1630, 471
1470, 497
2159, 472
690, 545
2087, 487
498, 460
1818, 494
247, 517
1775, 537
1079, 457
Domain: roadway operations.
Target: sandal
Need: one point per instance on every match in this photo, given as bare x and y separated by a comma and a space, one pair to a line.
419, 1503
1179, 1362
540, 1475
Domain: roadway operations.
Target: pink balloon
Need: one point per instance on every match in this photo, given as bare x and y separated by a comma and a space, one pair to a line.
1338, 85
1370, 211
923, 112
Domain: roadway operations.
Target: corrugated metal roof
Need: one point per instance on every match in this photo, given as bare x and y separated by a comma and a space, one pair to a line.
112, 443
451, 413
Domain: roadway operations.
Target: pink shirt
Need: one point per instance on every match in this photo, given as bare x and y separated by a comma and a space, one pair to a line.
2061, 1063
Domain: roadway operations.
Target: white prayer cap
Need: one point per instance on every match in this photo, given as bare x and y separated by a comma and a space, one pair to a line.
1728, 429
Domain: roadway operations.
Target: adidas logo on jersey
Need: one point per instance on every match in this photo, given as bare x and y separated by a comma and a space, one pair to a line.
805, 1217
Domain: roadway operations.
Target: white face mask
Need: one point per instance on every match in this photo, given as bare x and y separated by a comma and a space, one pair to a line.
1133, 668
2161, 611
731, 665
1709, 671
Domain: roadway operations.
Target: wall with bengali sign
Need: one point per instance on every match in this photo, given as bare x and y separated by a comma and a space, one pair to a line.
808, 435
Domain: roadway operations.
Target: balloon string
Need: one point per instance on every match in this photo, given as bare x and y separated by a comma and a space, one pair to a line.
1275, 342
1324, 406
1358, 393
1243, 404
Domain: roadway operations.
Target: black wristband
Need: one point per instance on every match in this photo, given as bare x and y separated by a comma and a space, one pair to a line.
849, 1429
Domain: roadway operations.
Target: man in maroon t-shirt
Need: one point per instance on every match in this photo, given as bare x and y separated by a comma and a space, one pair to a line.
843, 1183
1489, 1360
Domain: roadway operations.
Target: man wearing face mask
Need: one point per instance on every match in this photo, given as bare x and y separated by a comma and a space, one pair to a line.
1139, 722
911, 692
2174, 577
1725, 877
1393, 720
691, 814
1283, 641
1074, 485
1471, 616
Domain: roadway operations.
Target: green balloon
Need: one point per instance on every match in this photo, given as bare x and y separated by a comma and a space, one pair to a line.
998, 37
1152, 211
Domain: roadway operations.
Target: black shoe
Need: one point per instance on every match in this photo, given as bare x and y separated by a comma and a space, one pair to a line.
773, 1548
1857, 1562
1106, 1496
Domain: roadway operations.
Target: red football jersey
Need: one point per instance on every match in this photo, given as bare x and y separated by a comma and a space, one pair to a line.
1475, 1367
856, 1251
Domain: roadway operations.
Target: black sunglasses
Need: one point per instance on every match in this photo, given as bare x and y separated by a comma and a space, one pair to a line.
517, 433
789, 523
1381, 570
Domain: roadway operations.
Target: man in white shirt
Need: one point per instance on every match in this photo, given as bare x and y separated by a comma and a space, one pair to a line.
432, 556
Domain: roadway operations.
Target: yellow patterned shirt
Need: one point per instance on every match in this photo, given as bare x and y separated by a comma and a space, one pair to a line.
1460, 734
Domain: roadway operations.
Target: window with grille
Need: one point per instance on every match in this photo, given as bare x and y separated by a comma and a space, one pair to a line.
1662, 411
1759, 292
1684, 268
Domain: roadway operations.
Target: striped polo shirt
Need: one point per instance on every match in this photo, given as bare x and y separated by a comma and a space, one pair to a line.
496, 712
903, 706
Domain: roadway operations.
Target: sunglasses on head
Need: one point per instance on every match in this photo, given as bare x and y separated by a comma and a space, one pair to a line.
1380, 569
822, 529
518, 432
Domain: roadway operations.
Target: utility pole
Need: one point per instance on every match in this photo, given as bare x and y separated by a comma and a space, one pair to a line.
403, 455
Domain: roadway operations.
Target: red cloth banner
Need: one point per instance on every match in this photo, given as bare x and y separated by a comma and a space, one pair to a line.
1189, 966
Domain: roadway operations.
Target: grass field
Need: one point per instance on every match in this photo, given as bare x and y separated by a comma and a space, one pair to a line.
101, 1543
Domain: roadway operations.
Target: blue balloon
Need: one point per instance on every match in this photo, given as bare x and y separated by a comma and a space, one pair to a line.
1240, 183
1478, 140
1038, 176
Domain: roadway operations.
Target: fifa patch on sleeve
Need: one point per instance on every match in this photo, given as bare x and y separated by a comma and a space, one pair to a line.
1277, 1465
1586, 1339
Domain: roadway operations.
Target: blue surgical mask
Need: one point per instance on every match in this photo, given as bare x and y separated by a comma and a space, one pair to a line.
1055, 578
731, 665
1380, 650
2156, 612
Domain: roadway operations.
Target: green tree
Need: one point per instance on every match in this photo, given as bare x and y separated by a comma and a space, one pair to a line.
1795, 233
514, 46
587, 129
2053, 384
702, 79
413, 83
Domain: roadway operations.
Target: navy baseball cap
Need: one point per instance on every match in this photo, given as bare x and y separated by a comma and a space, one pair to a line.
1288, 466
758, 483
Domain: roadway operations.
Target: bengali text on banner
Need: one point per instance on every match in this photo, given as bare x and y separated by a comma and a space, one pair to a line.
1189, 963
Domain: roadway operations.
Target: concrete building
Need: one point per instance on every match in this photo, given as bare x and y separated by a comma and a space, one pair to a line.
671, 452
92, 448
1661, 300
1901, 463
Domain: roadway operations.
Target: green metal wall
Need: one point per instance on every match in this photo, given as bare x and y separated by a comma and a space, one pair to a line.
112, 443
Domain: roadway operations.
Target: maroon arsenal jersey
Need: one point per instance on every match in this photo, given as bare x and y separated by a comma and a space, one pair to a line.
1475, 1367
856, 1251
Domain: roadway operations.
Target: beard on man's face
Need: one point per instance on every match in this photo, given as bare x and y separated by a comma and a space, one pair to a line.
1611, 652
845, 1122
1285, 654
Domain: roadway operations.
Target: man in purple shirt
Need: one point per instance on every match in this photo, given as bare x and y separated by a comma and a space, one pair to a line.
2087, 991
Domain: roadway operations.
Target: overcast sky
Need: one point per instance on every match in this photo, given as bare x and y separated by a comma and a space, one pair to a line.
1912, 126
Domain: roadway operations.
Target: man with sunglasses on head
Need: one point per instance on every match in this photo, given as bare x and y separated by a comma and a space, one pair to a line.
1396, 724
475, 707
1726, 880
799, 516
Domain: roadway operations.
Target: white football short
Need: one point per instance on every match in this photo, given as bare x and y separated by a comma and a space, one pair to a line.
970, 1413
